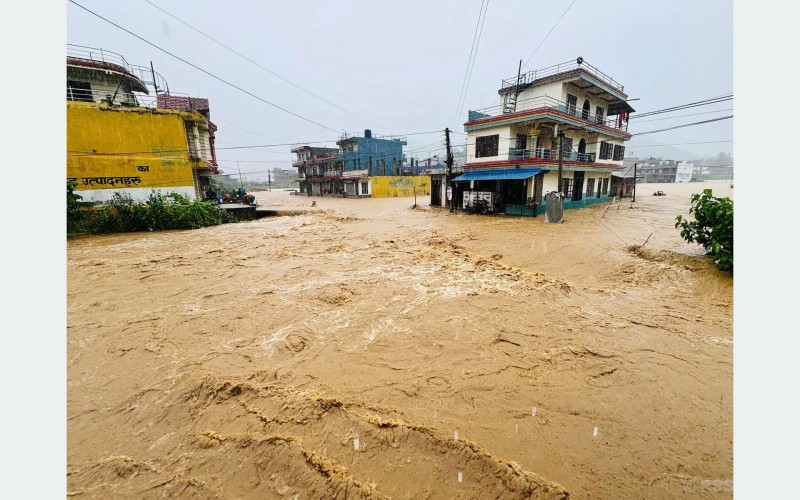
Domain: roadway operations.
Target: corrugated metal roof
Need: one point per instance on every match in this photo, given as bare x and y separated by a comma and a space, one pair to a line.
497, 174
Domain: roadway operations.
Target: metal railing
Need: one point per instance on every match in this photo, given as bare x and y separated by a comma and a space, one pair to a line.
536, 74
97, 55
120, 99
549, 154
145, 74
542, 102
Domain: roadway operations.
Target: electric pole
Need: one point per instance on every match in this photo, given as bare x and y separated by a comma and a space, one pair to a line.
241, 182
634, 182
560, 160
449, 166
269, 180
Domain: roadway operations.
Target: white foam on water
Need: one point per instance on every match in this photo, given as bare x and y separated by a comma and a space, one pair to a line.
460, 477
356, 443
594, 434
533, 411
455, 436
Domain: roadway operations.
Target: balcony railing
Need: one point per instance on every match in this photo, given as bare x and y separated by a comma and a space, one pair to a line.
143, 73
546, 102
121, 98
98, 55
549, 154
535, 74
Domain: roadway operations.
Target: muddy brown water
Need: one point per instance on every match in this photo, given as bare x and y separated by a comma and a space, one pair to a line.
337, 354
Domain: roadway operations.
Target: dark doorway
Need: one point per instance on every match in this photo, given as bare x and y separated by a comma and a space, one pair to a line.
572, 103
586, 108
436, 192
582, 147
522, 145
577, 189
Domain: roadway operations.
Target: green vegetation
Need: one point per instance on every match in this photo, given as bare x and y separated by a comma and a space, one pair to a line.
122, 214
712, 227
76, 214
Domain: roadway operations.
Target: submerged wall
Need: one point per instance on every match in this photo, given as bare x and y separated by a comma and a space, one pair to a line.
393, 186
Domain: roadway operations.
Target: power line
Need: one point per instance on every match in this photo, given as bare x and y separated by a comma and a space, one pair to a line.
469, 60
684, 125
262, 67
472, 67
704, 102
683, 116
548, 34
677, 144
201, 69
298, 143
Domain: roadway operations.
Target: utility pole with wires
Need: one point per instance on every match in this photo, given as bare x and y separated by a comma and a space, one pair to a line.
269, 180
241, 182
634, 182
560, 161
449, 161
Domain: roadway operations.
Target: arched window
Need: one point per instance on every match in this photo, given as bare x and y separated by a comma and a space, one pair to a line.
586, 108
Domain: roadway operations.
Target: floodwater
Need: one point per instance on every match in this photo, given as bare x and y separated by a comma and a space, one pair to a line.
377, 350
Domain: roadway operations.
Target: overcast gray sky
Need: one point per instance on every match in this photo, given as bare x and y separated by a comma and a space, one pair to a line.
400, 65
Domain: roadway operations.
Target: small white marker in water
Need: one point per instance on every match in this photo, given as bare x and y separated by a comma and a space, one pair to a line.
594, 434
533, 411
455, 436
460, 477
356, 443
516, 428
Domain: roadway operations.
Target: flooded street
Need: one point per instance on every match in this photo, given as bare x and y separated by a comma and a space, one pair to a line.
373, 349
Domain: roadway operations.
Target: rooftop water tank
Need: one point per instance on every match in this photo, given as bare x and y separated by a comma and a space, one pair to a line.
368, 133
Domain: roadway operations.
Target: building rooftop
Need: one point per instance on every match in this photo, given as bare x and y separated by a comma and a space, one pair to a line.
581, 74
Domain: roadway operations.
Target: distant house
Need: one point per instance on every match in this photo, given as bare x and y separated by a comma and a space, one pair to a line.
313, 165
362, 166
513, 148
623, 181
656, 170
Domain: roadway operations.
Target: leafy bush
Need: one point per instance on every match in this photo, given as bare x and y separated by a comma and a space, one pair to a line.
712, 227
76, 216
159, 212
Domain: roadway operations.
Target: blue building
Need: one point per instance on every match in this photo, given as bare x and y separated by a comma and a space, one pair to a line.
371, 155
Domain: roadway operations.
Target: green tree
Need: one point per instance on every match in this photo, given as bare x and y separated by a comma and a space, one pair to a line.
75, 213
712, 227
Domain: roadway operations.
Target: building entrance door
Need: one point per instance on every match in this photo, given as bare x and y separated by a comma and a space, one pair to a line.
577, 189
436, 192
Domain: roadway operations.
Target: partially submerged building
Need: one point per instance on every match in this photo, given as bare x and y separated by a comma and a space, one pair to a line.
127, 133
316, 169
362, 166
513, 148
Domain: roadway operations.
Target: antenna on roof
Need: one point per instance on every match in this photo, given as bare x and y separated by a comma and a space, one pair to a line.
155, 82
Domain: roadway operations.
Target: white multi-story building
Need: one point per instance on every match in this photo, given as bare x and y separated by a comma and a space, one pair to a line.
513, 148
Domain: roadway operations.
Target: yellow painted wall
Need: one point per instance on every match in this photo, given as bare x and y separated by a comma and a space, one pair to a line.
393, 186
144, 135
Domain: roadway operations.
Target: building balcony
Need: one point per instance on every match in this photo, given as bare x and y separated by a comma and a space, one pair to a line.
543, 107
549, 154
315, 160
